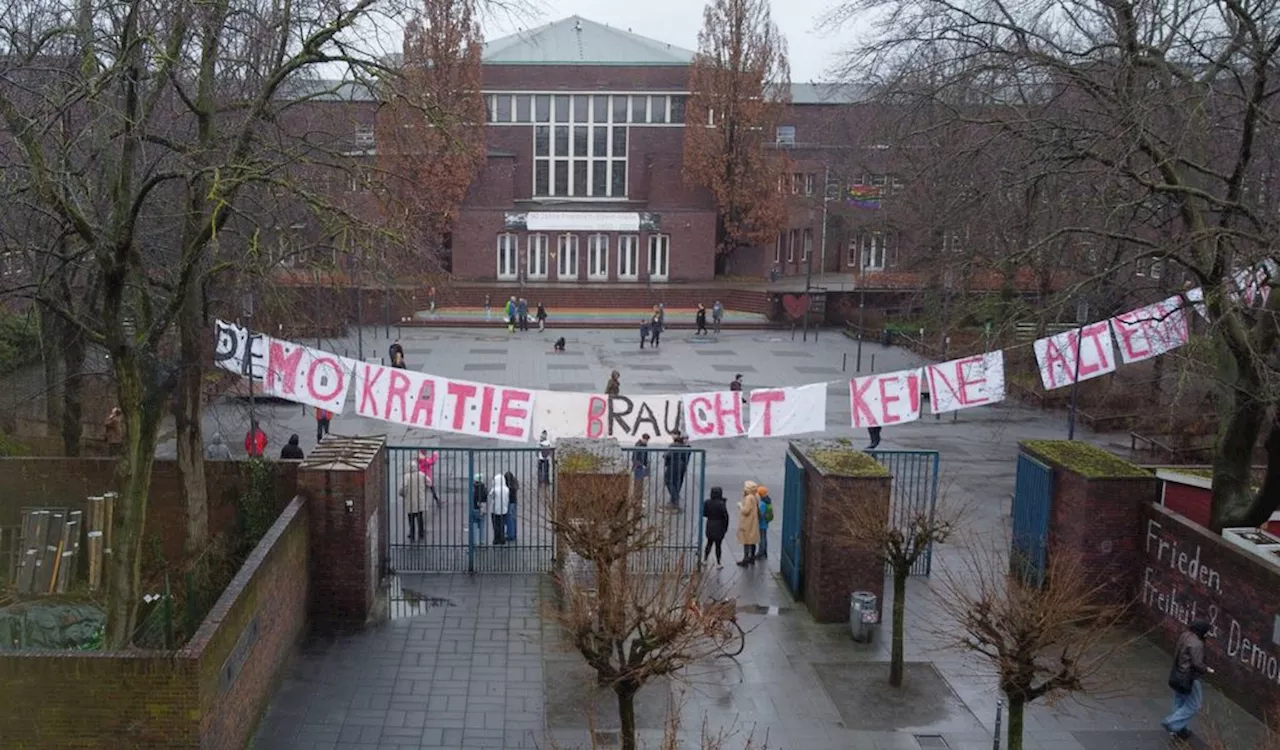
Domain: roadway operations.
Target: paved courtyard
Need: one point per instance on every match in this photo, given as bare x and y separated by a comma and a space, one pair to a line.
468, 662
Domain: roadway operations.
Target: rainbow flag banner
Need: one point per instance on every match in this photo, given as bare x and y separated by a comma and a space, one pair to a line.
864, 196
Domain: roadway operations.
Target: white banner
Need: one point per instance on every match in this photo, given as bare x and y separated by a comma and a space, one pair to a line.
597, 417
1056, 355
776, 412
308, 376
582, 221
1152, 330
232, 350
431, 402
965, 383
888, 398
715, 414
394, 395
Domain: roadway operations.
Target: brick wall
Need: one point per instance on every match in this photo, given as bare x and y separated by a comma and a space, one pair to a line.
1185, 572
835, 567
66, 482
209, 694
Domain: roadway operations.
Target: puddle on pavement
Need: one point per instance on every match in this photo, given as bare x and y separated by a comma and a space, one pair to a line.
761, 609
409, 601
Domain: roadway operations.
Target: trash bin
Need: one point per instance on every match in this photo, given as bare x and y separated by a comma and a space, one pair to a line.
863, 615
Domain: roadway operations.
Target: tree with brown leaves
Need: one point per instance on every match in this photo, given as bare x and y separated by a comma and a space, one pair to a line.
430, 132
740, 84
899, 543
1043, 641
632, 616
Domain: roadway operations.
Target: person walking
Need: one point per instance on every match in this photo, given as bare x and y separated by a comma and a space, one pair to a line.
114, 429
499, 502
717, 315
255, 440
218, 449
716, 514
542, 317
675, 465
645, 329
513, 493
874, 434
1186, 679
766, 517
522, 312
488, 308
655, 329
749, 522
510, 313
640, 467
323, 418
413, 493
613, 388
544, 461
479, 496
427, 467
292, 451
701, 319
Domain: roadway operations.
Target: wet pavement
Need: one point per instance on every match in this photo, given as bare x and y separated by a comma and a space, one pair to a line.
469, 661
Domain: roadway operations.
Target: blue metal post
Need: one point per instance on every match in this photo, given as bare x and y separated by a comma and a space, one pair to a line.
933, 505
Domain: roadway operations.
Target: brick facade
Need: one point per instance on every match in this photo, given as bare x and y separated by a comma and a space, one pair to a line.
835, 567
206, 695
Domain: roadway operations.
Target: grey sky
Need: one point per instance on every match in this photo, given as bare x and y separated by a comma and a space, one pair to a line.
812, 53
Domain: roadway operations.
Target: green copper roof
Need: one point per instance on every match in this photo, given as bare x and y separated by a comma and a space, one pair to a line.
577, 41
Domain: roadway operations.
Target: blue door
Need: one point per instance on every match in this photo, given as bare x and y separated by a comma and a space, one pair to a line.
1032, 502
793, 528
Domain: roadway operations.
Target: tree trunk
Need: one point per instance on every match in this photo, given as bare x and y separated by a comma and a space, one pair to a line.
124, 568
187, 408
1234, 501
897, 657
626, 692
1017, 710
73, 356
51, 359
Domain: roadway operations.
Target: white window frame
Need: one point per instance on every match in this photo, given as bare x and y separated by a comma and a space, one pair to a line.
807, 246
659, 250
508, 256
953, 241
785, 135
810, 183
791, 246
598, 257
874, 253
628, 257
777, 247
537, 263
566, 250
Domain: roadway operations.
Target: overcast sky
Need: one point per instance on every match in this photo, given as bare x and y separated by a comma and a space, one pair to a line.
677, 22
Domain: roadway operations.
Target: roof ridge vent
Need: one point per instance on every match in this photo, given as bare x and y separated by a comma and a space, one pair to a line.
577, 25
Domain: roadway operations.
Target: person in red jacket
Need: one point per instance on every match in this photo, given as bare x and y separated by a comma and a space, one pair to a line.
255, 441
323, 417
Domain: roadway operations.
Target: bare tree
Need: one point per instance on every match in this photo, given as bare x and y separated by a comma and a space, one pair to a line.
1044, 642
1169, 112
740, 84
631, 626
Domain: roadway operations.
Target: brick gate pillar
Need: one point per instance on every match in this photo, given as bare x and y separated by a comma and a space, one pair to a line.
345, 483
838, 478
1096, 512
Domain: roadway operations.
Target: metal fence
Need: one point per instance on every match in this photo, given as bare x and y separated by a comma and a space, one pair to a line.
915, 490
672, 490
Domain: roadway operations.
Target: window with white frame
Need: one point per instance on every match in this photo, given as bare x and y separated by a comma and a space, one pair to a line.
807, 247
365, 138
792, 241
567, 257
536, 267
598, 257
874, 248
1148, 267
508, 256
628, 257
785, 135
797, 183
777, 247
659, 257
810, 183
581, 151
953, 241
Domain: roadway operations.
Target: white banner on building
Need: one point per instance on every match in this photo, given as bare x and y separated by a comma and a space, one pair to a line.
777, 412
965, 383
885, 399
715, 414
582, 221
1056, 355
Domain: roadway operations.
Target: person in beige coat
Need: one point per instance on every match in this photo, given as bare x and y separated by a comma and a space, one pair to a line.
749, 522
414, 491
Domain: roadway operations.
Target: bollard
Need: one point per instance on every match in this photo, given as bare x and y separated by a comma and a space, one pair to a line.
844, 362
995, 743
873, 363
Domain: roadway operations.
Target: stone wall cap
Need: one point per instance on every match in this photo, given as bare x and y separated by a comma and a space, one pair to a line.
839, 458
1085, 459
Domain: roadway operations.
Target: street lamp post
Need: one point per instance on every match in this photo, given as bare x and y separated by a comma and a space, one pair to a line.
822, 242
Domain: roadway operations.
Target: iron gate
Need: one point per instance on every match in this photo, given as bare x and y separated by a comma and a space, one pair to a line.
793, 527
1032, 502
450, 537
915, 491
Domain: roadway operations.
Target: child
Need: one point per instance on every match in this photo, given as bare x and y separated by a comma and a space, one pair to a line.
559, 347
766, 515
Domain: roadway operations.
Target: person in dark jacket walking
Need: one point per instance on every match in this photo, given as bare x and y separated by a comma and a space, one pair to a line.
675, 465
292, 451
395, 353
1186, 679
874, 434
522, 312
716, 512
645, 329
479, 497
702, 320
655, 329
640, 467
541, 315
513, 491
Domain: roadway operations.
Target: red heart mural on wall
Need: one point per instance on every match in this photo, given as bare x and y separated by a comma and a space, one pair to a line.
796, 305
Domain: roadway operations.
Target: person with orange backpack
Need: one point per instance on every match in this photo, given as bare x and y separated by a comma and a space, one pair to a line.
766, 515
323, 417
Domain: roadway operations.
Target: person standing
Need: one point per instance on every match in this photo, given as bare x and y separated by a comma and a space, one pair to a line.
1186, 679
640, 467
479, 496
255, 441
510, 312
218, 449
395, 353
716, 513
499, 501
488, 308
675, 465
766, 516
645, 329
522, 312
544, 461
323, 418
413, 492
431, 300
701, 319
655, 329
874, 434
717, 315
749, 522
427, 467
613, 388
542, 317
736, 386
292, 451
513, 493
114, 429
